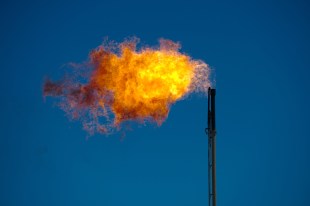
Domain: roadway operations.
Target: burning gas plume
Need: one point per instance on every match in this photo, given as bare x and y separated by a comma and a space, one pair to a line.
120, 82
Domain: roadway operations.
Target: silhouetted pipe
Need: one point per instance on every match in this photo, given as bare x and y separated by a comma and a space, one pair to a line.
211, 131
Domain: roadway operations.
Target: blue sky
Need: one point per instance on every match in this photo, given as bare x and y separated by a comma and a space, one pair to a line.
259, 52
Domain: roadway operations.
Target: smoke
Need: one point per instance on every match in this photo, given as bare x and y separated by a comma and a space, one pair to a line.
121, 83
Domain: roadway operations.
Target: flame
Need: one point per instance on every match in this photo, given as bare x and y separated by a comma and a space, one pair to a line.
123, 83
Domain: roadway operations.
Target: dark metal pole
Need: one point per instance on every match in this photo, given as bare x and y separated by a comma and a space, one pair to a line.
211, 131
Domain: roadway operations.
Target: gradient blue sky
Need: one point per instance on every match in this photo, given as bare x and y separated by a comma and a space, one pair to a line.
260, 53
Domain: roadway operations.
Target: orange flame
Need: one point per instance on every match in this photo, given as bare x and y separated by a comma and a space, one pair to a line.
129, 84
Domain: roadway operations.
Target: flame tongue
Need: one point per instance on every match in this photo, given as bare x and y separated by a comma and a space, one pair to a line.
131, 85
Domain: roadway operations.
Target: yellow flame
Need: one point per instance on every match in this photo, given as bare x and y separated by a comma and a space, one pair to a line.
138, 84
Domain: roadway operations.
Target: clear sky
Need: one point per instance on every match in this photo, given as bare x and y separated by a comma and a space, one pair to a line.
259, 52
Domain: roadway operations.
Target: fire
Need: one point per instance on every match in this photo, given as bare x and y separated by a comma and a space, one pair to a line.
125, 83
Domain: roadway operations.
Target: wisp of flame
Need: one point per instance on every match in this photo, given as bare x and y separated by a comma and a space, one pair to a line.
125, 83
